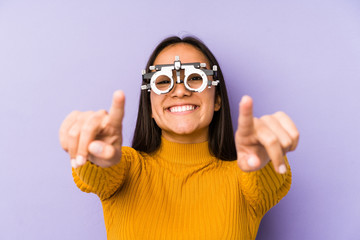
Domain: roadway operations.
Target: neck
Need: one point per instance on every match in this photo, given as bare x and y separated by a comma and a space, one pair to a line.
186, 154
185, 138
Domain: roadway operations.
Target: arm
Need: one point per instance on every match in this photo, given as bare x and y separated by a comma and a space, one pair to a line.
261, 145
94, 143
102, 181
264, 188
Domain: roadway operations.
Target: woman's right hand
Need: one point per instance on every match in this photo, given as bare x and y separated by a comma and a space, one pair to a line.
94, 136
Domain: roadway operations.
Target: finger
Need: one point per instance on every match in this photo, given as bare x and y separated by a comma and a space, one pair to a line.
64, 128
248, 162
102, 150
246, 118
73, 135
104, 154
274, 125
73, 163
290, 127
116, 113
272, 146
91, 127
73, 140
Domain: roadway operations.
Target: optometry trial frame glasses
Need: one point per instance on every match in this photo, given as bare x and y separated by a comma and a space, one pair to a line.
195, 77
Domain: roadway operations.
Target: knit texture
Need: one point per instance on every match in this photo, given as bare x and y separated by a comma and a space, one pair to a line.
182, 192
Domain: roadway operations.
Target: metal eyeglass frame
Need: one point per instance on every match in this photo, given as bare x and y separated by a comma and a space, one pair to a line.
189, 68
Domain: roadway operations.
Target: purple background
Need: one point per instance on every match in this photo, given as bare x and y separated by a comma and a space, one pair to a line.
58, 56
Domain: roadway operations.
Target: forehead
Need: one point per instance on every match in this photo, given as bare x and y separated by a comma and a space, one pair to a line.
186, 52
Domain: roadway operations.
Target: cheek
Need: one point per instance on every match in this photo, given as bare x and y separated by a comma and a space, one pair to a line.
155, 104
209, 97
152, 108
211, 104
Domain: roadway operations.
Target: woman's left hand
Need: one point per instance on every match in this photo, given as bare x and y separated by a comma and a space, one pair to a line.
259, 140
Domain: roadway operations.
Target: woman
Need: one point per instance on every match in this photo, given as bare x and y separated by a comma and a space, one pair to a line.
179, 180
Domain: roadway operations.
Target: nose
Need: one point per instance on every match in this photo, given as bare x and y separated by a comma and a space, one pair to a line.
179, 89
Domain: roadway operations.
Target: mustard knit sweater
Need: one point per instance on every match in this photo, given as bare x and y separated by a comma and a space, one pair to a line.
181, 192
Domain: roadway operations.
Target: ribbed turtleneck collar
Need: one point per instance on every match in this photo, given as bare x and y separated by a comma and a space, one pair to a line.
193, 153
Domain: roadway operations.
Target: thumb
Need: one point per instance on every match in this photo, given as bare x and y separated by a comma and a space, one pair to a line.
248, 161
102, 150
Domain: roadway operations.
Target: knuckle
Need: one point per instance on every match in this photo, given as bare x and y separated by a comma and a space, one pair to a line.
89, 114
266, 117
286, 144
61, 133
280, 114
74, 132
271, 140
73, 114
87, 128
91, 123
63, 144
79, 116
101, 112
68, 119
84, 115
295, 135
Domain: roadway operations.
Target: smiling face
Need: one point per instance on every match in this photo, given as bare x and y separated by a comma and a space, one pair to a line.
183, 116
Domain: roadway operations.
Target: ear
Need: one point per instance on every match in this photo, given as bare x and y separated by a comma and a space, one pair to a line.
217, 102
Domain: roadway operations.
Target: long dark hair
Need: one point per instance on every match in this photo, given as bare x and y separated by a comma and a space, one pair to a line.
147, 135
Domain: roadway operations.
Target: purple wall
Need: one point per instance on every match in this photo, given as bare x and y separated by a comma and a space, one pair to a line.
58, 56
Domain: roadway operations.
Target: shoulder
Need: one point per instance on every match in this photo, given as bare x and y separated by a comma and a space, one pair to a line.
131, 152
132, 155
229, 165
229, 168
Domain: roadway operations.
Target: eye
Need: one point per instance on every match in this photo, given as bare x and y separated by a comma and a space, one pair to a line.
163, 82
195, 78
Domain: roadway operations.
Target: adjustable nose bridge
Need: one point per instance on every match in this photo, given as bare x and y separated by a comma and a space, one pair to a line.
178, 76
177, 68
179, 89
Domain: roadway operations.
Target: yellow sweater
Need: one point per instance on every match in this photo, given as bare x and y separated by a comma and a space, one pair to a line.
181, 192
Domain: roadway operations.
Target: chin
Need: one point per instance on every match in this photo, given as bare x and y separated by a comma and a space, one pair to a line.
185, 129
183, 132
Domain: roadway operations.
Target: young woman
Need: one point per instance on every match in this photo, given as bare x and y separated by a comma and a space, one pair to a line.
186, 176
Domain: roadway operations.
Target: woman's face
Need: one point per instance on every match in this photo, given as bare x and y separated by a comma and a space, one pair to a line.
183, 116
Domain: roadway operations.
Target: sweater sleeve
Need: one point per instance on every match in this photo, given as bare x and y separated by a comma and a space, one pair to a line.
103, 181
265, 188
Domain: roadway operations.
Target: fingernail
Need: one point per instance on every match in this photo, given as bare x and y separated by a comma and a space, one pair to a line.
80, 160
243, 98
251, 161
96, 148
282, 169
73, 163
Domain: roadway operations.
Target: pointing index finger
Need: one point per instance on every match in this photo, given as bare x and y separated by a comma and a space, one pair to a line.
116, 113
246, 118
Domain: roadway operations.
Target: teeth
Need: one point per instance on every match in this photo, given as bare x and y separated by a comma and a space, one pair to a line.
182, 108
